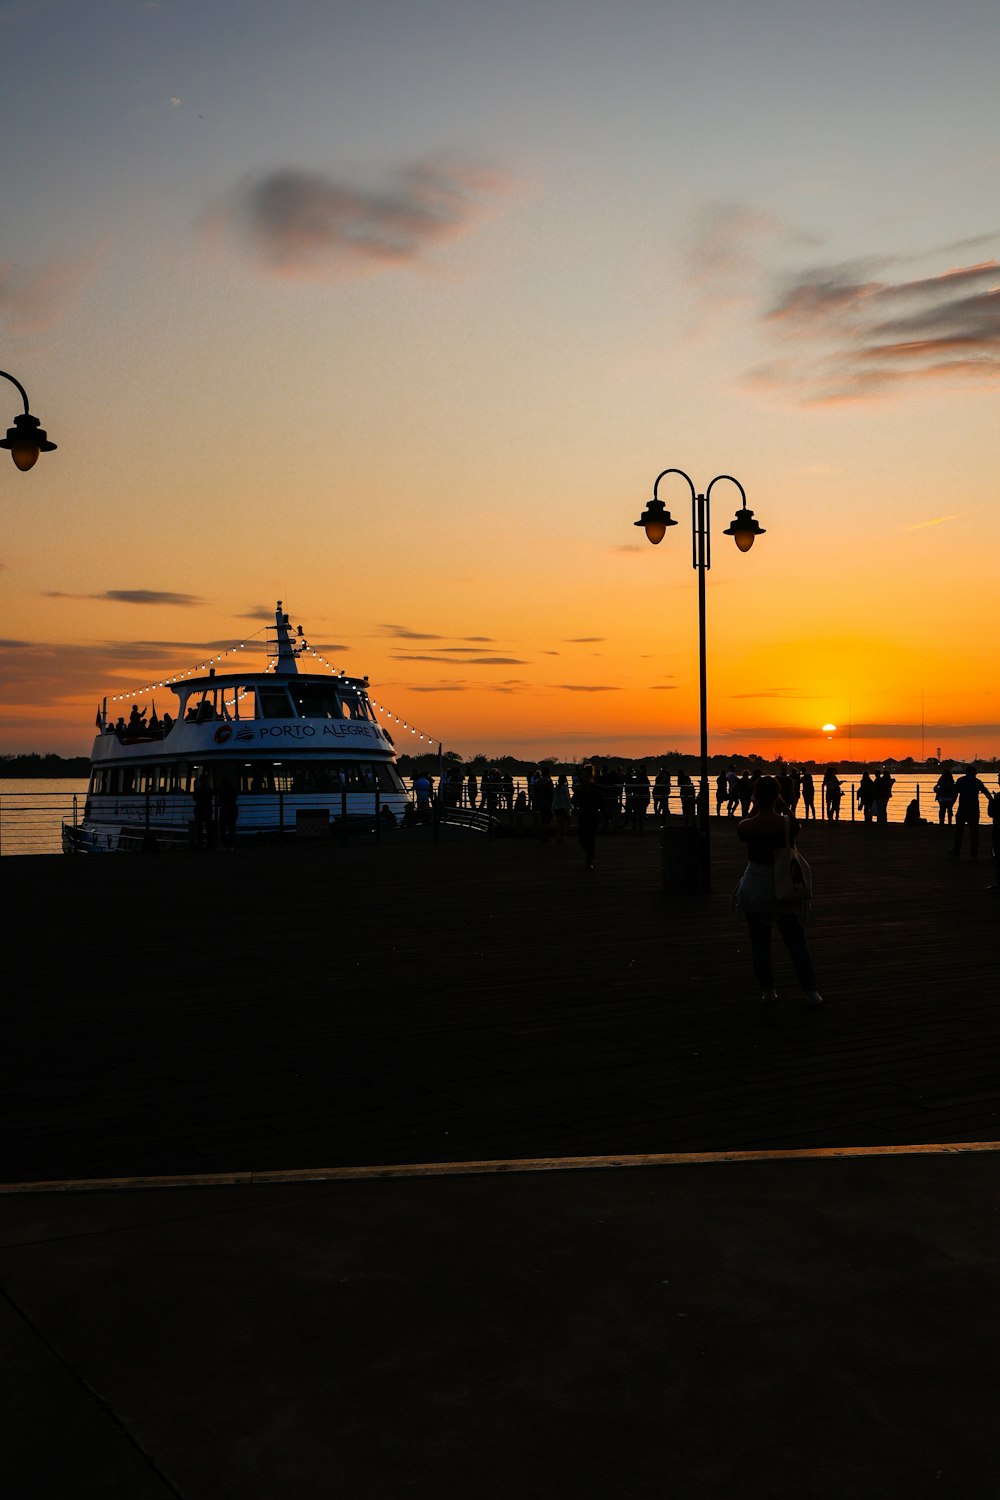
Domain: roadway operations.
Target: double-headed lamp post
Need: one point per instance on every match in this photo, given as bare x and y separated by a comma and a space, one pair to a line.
743, 528
27, 437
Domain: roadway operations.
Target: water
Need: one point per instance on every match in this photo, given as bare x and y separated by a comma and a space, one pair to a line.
32, 812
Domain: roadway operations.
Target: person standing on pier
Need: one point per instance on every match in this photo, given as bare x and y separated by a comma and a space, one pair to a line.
968, 789
587, 800
944, 791
755, 898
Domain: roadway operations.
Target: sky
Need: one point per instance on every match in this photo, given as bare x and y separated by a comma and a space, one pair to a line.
395, 310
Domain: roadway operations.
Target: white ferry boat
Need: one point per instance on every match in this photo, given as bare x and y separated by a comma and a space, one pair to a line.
287, 752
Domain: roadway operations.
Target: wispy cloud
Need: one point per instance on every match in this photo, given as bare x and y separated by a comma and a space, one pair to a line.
310, 226
937, 521
861, 329
404, 633
586, 687
132, 596
457, 661
848, 330
906, 732
34, 299
585, 640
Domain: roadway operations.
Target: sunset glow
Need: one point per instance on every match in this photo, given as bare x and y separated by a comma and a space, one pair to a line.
397, 320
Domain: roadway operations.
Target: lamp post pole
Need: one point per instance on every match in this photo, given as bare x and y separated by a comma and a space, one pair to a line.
27, 437
743, 529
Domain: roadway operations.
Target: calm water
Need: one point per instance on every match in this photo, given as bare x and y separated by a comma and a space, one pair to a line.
32, 812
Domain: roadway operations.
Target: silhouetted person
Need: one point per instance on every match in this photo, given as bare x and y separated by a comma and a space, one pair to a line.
661, 794
587, 801
136, 721
968, 789
994, 806
543, 795
203, 806
866, 795
473, 788
562, 805
944, 791
764, 834
808, 796
226, 798
884, 783
722, 792
833, 791
687, 792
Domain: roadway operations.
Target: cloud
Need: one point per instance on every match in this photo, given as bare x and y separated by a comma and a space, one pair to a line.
937, 521
33, 300
585, 640
847, 330
457, 661
441, 687
309, 226
664, 687
585, 687
404, 633
132, 596
862, 732
860, 329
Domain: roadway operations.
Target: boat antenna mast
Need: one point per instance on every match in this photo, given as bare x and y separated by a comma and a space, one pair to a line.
284, 650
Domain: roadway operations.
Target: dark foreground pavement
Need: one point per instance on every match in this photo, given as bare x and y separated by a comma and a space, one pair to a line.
794, 1327
773, 1328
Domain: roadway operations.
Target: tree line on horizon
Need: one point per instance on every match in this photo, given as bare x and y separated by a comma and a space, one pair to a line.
36, 766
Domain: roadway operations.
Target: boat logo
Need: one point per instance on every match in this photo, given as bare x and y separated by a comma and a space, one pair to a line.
245, 734
222, 734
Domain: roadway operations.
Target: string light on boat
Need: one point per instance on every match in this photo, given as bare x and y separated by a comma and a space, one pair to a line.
191, 672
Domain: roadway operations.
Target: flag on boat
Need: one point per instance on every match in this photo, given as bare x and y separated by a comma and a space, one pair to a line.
100, 722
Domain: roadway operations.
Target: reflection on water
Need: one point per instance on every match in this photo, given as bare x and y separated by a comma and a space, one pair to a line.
32, 812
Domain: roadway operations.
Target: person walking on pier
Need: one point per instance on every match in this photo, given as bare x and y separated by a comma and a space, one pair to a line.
587, 799
755, 899
968, 789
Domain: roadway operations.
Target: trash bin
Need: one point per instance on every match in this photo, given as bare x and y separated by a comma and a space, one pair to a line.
684, 858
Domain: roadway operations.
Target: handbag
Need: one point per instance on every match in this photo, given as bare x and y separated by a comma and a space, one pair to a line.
792, 875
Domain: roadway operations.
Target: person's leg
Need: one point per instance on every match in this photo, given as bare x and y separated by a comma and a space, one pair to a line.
974, 835
760, 951
956, 847
794, 934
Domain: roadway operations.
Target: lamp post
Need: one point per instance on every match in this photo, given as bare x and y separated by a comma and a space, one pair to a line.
27, 437
743, 528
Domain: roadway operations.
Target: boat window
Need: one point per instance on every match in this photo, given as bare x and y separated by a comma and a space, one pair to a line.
274, 703
316, 700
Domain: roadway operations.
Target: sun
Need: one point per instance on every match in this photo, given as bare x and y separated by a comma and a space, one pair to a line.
829, 729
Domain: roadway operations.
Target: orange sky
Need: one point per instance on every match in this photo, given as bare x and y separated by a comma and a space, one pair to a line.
399, 323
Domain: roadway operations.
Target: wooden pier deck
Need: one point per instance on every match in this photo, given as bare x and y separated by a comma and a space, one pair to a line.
478, 999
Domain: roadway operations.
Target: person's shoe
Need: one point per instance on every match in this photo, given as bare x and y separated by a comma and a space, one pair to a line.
813, 997
768, 997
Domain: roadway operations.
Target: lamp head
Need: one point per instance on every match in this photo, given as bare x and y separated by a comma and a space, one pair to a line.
654, 520
26, 439
743, 528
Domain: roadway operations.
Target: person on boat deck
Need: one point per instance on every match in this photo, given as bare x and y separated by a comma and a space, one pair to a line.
166, 723
120, 725
136, 721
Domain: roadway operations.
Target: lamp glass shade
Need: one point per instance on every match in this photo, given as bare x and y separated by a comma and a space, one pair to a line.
24, 455
744, 539
655, 531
